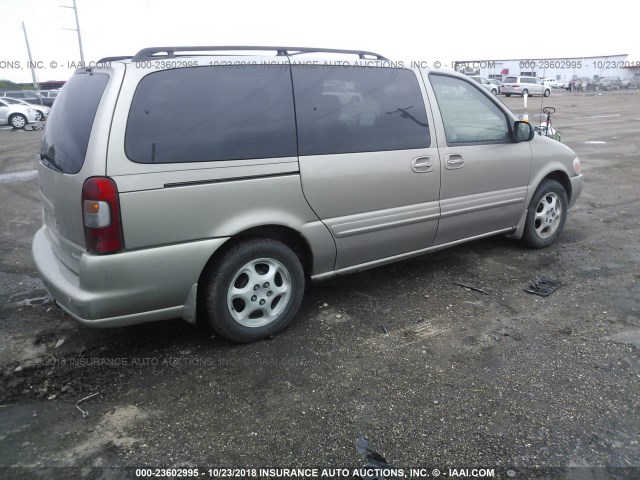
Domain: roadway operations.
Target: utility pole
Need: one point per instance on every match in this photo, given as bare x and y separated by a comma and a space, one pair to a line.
77, 29
33, 71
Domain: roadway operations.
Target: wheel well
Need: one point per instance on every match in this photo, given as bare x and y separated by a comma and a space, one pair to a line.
286, 235
563, 179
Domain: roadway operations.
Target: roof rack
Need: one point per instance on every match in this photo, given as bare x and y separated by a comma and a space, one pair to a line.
149, 53
114, 59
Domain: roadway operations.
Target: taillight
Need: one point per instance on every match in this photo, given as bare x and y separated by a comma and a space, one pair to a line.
516, 85
101, 216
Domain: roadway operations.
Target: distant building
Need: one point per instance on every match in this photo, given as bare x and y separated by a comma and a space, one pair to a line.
563, 69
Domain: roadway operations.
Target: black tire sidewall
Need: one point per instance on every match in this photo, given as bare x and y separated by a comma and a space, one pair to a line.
530, 237
223, 271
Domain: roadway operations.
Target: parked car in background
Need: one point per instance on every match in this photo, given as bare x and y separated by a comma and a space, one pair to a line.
496, 83
631, 82
585, 84
486, 83
609, 83
16, 115
49, 93
28, 96
559, 83
521, 85
42, 110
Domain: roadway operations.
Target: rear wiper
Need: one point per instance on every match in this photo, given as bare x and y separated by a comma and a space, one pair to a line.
50, 162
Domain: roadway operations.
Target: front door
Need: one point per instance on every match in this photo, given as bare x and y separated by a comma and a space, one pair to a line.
484, 173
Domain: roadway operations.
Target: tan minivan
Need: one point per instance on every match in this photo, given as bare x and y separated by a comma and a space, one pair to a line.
211, 183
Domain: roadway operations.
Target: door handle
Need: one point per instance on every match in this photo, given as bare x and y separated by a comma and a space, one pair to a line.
422, 165
453, 161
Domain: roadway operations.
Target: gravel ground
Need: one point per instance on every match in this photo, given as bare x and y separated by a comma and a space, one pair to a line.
434, 374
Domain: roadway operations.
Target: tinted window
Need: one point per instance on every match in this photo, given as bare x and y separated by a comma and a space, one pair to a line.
469, 116
511, 80
67, 133
212, 113
358, 109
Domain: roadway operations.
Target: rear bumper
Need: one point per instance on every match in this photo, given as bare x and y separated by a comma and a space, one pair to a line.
125, 288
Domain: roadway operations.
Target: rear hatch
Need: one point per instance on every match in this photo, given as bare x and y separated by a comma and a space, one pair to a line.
70, 154
509, 82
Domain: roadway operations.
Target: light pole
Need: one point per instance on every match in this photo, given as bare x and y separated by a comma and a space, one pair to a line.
33, 72
77, 29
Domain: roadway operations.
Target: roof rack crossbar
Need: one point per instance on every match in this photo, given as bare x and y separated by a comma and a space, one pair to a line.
150, 53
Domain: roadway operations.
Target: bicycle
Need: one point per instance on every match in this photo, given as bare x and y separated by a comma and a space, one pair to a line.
545, 128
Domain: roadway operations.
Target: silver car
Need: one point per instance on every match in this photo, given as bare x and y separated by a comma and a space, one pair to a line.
521, 85
42, 111
16, 115
492, 85
214, 187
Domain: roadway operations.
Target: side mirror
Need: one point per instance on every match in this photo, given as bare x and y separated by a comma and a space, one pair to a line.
522, 132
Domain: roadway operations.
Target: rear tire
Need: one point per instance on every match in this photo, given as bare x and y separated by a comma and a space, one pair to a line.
546, 215
524, 92
253, 291
547, 93
507, 94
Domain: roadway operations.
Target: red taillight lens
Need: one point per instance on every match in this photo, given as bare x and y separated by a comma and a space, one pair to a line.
101, 216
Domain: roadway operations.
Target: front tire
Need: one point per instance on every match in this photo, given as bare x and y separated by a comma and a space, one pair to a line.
254, 290
546, 215
18, 121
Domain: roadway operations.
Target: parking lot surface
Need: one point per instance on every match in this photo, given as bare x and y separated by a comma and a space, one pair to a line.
433, 373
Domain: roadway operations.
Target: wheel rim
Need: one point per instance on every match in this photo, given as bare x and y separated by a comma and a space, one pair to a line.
39, 116
548, 215
18, 121
259, 292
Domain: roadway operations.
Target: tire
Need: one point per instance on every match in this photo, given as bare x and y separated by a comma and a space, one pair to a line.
547, 92
494, 91
546, 215
253, 291
18, 121
524, 92
507, 94
39, 116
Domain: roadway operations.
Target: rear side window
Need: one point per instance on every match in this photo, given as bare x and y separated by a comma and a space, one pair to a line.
69, 126
212, 113
358, 109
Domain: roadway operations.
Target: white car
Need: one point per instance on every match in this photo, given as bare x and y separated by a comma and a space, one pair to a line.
18, 116
42, 110
488, 84
558, 83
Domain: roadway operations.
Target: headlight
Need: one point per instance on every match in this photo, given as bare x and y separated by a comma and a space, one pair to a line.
576, 166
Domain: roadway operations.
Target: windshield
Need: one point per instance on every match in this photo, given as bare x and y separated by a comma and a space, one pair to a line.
69, 126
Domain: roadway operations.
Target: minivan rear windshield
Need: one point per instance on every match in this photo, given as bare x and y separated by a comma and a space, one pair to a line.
69, 126
511, 80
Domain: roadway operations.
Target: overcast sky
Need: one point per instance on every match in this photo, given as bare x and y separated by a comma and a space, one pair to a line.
427, 31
